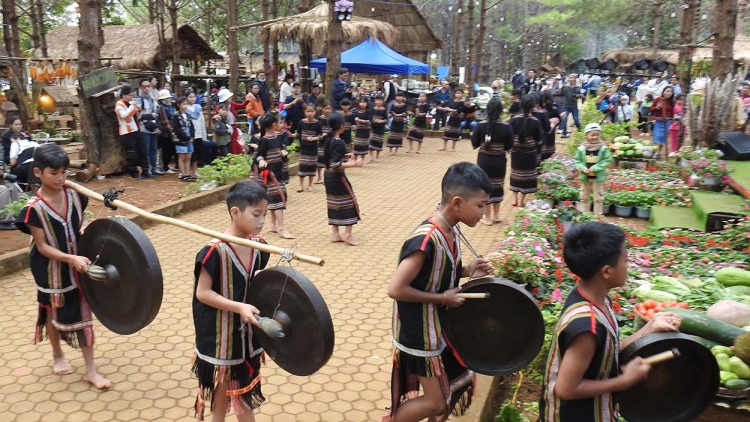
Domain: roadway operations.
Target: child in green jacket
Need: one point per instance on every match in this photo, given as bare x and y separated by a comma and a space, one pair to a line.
592, 159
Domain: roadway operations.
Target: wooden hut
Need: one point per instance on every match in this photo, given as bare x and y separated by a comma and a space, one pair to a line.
133, 47
740, 51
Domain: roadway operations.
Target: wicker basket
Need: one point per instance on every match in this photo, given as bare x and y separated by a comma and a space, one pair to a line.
726, 393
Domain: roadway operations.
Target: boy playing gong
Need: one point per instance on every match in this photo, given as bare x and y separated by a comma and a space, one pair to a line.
227, 356
423, 286
55, 220
583, 369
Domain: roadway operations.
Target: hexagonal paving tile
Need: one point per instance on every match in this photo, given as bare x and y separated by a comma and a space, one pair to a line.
151, 369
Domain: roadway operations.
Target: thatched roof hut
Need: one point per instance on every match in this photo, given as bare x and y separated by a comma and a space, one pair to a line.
311, 28
741, 52
415, 37
133, 46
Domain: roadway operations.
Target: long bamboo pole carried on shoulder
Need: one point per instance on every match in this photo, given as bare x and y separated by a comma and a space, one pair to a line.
195, 228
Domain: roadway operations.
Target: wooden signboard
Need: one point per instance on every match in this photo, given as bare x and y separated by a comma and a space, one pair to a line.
98, 82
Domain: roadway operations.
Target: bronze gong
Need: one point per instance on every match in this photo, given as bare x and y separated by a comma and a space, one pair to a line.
500, 334
288, 297
124, 287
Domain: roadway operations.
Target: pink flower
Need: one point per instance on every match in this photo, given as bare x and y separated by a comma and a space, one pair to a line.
557, 295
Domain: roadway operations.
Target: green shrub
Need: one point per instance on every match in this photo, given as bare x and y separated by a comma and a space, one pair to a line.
224, 170
15, 207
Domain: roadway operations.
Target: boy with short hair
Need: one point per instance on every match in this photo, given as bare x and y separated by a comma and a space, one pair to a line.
55, 219
227, 356
592, 159
424, 285
222, 130
582, 368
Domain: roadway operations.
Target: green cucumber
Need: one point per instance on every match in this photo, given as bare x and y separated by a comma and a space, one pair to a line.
737, 384
702, 325
708, 343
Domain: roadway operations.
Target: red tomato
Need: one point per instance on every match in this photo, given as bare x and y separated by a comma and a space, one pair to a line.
649, 303
683, 305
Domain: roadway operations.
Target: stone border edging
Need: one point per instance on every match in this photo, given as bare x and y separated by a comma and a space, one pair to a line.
12, 262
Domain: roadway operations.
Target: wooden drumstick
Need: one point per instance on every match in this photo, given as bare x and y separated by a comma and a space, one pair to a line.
662, 357
195, 228
473, 295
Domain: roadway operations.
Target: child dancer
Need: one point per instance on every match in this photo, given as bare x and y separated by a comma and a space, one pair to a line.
346, 136
323, 119
362, 133
379, 119
398, 113
453, 127
228, 356
342, 204
416, 133
271, 151
309, 133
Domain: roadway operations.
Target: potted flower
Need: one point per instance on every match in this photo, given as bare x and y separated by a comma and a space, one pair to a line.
566, 214
607, 203
710, 170
546, 194
624, 201
643, 203
564, 193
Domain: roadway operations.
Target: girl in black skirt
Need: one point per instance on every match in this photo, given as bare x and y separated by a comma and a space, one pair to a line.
553, 112
541, 114
527, 136
346, 106
494, 139
416, 133
270, 154
342, 204
309, 133
362, 129
323, 119
379, 118
399, 115
453, 127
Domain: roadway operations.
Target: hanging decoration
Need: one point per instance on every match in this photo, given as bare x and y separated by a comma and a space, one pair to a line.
343, 9
58, 72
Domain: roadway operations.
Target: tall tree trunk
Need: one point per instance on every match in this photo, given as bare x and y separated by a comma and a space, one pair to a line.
687, 37
266, 44
176, 45
470, 37
10, 25
479, 47
725, 26
98, 122
658, 14
207, 29
13, 46
34, 21
333, 49
42, 29
457, 53
232, 48
304, 52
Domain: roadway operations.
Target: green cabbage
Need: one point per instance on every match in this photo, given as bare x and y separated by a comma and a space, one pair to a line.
669, 285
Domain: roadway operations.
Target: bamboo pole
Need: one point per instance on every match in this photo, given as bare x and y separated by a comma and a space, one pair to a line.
193, 227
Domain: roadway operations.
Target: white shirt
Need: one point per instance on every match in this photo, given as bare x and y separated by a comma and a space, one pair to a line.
199, 124
17, 147
285, 91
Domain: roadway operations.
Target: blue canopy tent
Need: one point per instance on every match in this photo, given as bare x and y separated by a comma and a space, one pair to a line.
372, 56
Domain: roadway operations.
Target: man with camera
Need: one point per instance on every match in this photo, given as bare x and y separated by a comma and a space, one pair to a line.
148, 127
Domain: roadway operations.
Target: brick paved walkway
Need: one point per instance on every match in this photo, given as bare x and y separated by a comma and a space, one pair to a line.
151, 369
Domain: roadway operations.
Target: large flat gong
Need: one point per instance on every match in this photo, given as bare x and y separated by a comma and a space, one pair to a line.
498, 335
287, 296
129, 297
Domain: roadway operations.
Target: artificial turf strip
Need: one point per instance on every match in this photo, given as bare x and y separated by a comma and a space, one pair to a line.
741, 173
705, 203
671, 217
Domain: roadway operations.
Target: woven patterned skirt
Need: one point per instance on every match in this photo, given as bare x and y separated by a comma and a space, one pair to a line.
376, 141
275, 188
416, 133
321, 156
453, 129
548, 150
307, 165
395, 140
361, 144
523, 168
495, 167
342, 204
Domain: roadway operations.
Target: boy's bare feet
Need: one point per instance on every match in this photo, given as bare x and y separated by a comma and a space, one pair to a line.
61, 366
273, 230
285, 234
336, 238
319, 182
350, 241
97, 381
487, 222
497, 220
300, 190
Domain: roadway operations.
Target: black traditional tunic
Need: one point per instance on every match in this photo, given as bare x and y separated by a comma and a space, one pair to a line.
325, 128
362, 133
346, 136
493, 144
579, 316
342, 204
269, 149
308, 150
286, 141
225, 348
420, 346
57, 282
548, 150
453, 126
527, 136
379, 118
542, 115
398, 125
416, 132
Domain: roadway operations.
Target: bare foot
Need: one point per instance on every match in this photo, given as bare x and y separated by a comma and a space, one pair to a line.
350, 241
409, 152
319, 182
273, 230
285, 234
514, 204
60, 366
336, 238
97, 381
418, 152
372, 160
487, 222
497, 220
300, 190
441, 149
452, 150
